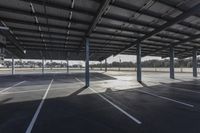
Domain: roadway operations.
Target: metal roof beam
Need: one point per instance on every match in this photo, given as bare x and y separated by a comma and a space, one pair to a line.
116, 27
61, 6
42, 15
97, 32
131, 21
9, 35
162, 43
129, 36
178, 43
44, 32
25, 37
71, 50
50, 42
142, 23
94, 43
150, 13
119, 4
130, 7
164, 26
102, 9
80, 36
11, 20
61, 39
179, 54
93, 39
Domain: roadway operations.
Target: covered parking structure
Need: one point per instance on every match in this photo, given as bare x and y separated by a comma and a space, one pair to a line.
96, 29
93, 30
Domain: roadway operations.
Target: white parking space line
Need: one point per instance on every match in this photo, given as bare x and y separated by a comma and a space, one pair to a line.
30, 127
177, 88
39, 90
181, 89
185, 82
166, 98
113, 104
18, 92
6, 89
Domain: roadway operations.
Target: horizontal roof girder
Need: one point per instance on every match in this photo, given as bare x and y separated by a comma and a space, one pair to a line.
179, 54
112, 26
54, 4
75, 35
42, 15
72, 28
39, 37
131, 21
9, 36
24, 12
12, 20
101, 10
103, 7
92, 41
156, 15
179, 42
165, 26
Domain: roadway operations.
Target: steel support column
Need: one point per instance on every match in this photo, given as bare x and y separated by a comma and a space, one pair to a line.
42, 65
67, 66
194, 62
51, 64
87, 54
100, 65
171, 54
139, 72
13, 66
119, 64
105, 65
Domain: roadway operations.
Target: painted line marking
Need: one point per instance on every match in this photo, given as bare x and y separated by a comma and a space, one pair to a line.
185, 82
181, 89
177, 88
12, 86
166, 98
30, 127
18, 92
114, 105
